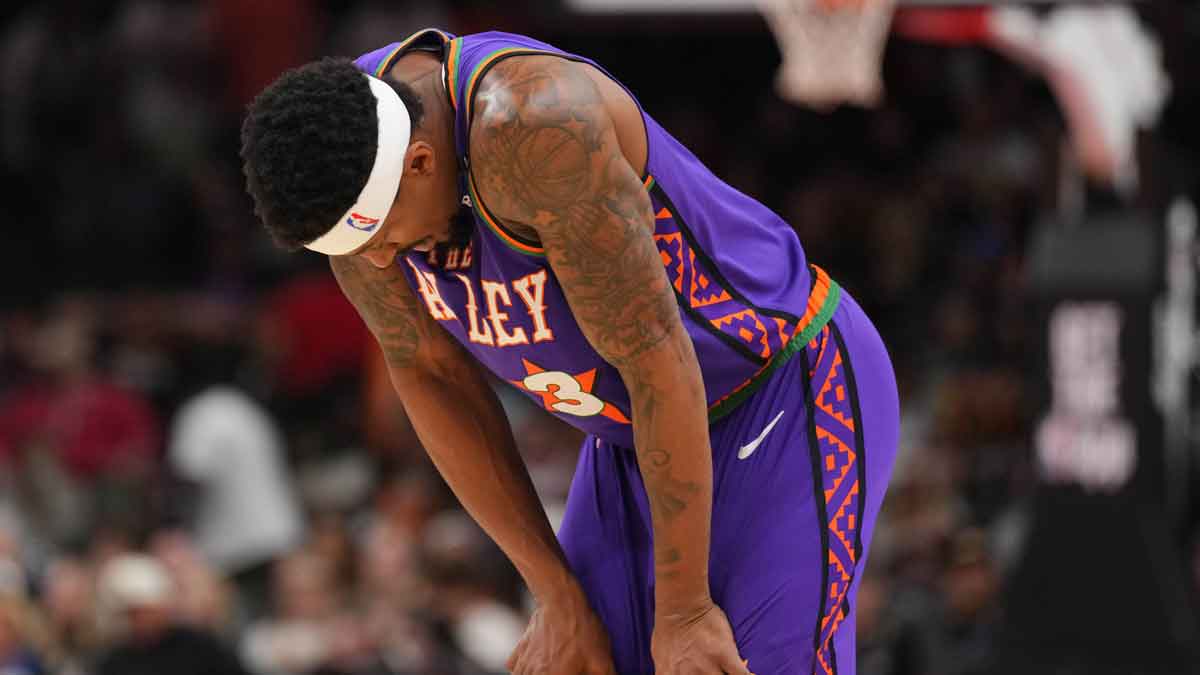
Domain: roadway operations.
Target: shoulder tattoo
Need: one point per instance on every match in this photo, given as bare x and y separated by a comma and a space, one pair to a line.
547, 157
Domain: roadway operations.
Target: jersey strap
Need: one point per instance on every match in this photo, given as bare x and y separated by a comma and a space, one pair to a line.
426, 38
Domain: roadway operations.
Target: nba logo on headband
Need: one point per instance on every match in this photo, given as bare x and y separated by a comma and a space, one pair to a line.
360, 222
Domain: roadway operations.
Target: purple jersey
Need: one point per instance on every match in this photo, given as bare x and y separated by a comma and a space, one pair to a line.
746, 295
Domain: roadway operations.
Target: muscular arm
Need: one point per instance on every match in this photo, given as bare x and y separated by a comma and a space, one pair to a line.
459, 420
548, 158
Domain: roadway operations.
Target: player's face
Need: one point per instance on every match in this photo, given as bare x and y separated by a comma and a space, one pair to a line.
424, 212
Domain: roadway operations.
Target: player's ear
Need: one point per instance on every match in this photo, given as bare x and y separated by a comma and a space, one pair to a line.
419, 159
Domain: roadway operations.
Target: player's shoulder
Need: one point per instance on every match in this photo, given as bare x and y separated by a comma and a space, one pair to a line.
534, 84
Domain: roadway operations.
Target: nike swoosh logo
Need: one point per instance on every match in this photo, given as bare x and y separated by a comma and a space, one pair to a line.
749, 448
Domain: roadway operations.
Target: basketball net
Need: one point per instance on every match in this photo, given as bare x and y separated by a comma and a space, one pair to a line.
832, 49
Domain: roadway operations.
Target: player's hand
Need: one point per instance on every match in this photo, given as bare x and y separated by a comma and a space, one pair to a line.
564, 636
698, 642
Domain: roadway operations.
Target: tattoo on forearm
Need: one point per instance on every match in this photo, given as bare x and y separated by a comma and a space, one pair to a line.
553, 163
669, 496
666, 556
666, 560
386, 303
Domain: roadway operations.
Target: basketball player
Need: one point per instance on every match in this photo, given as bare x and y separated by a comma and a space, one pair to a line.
489, 200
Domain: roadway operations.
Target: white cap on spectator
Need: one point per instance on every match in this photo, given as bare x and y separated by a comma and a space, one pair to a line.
132, 580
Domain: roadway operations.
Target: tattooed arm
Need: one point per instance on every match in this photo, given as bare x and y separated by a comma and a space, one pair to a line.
460, 422
548, 160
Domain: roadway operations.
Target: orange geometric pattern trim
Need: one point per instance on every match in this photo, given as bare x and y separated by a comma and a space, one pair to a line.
838, 458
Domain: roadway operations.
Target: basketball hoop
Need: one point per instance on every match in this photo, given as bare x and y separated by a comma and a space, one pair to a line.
832, 49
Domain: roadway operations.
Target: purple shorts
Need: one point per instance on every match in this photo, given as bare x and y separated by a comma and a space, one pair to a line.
799, 473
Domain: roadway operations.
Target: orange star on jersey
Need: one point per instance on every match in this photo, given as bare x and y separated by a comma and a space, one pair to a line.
566, 393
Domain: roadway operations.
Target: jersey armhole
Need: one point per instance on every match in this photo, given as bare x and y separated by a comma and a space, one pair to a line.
419, 39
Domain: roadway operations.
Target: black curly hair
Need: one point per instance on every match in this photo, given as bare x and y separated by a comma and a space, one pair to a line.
308, 144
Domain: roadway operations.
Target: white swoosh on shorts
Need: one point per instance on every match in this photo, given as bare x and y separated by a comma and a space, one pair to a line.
749, 448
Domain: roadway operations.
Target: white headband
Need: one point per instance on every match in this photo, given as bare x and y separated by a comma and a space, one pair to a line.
362, 220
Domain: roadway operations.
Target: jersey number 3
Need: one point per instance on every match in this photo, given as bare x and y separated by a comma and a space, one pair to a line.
566, 393
563, 393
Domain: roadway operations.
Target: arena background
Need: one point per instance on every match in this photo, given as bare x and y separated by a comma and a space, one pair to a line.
204, 469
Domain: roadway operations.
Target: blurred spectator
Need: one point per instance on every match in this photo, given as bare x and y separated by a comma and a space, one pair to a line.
407, 500
69, 429
395, 599
405, 642
228, 445
311, 334
13, 538
138, 595
47, 96
169, 112
312, 344
336, 482
468, 575
68, 599
19, 633
876, 637
389, 569
202, 598
297, 637
970, 615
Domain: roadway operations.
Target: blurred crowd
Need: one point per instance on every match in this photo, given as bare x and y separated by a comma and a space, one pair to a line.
203, 468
